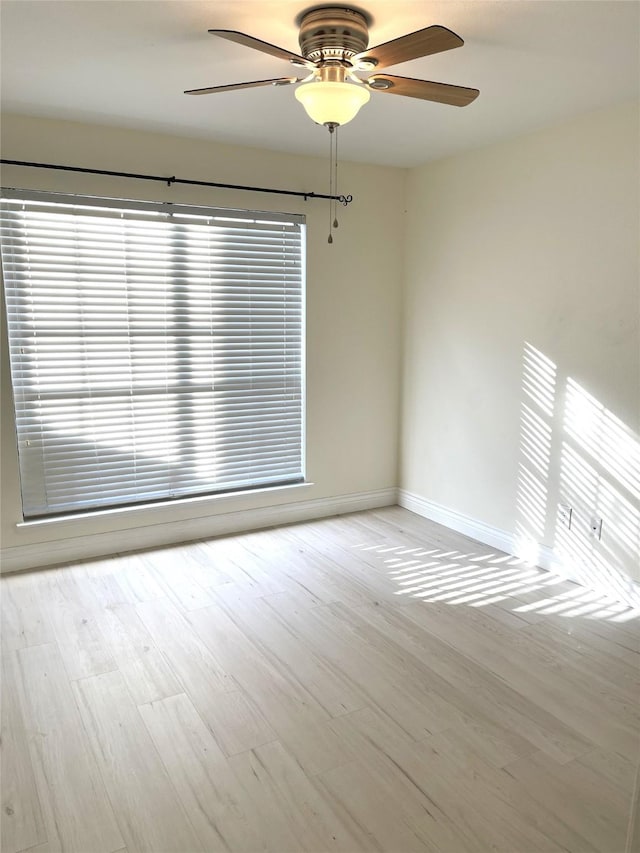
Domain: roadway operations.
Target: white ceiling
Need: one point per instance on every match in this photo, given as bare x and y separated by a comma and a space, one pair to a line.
127, 62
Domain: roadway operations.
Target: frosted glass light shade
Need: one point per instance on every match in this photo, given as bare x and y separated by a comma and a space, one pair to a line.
332, 103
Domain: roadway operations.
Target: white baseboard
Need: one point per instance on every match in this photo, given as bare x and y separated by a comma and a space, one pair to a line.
626, 590
22, 557
456, 521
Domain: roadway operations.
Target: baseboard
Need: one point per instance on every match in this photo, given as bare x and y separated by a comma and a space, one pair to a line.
456, 521
627, 591
22, 557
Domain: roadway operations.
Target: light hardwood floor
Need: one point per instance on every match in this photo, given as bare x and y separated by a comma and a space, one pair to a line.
368, 682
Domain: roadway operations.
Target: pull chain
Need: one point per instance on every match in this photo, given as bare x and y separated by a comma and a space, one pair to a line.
331, 128
333, 178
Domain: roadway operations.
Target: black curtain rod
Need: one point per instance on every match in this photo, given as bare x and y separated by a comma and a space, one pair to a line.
343, 199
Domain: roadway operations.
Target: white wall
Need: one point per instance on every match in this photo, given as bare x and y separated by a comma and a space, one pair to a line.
521, 349
353, 312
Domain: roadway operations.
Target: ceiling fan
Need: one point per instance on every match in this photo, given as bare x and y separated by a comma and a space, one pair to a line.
334, 50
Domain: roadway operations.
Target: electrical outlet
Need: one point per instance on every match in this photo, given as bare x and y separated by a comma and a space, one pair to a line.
565, 514
596, 527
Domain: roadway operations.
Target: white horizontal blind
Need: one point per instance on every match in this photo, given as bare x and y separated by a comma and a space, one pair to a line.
156, 350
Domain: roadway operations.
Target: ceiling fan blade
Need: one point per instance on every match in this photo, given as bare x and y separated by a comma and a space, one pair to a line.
441, 93
276, 81
262, 46
412, 46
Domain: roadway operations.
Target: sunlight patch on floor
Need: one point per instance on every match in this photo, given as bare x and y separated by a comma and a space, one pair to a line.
477, 580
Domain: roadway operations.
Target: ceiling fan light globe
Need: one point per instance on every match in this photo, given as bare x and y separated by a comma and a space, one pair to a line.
332, 103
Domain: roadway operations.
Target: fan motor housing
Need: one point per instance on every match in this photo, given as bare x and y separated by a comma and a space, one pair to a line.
333, 33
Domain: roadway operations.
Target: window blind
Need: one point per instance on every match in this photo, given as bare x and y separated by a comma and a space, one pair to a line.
156, 350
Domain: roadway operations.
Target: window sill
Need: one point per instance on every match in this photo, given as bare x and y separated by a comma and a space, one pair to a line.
202, 501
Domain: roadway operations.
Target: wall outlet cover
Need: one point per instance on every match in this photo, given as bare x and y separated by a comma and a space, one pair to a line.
596, 527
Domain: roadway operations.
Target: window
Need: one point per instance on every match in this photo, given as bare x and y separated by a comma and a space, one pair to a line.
156, 350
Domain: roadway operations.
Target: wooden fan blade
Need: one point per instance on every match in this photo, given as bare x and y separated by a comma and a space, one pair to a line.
262, 46
442, 93
412, 46
276, 81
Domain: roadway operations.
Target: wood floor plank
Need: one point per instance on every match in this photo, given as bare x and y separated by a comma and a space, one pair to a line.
621, 676
502, 701
543, 827
474, 689
369, 804
280, 787
407, 700
145, 670
200, 772
275, 831
409, 528
551, 656
177, 573
355, 586
542, 682
73, 615
308, 560
149, 813
633, 829
618, 770
49, 848
280, 557
253, 570
235, 721
136, 580
290, 710
23, 615
188, 656
102, 581
77, 812
493, 742
596, 645
211, 567
378, 741
577, 796
21, 823
557, 604
285, 649
454, 801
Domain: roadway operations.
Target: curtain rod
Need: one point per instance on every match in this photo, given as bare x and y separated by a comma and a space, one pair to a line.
343, 199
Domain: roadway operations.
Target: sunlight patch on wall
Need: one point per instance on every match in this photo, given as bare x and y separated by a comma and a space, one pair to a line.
539, 379
536, 433
598, 462
603, 437
599, 477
